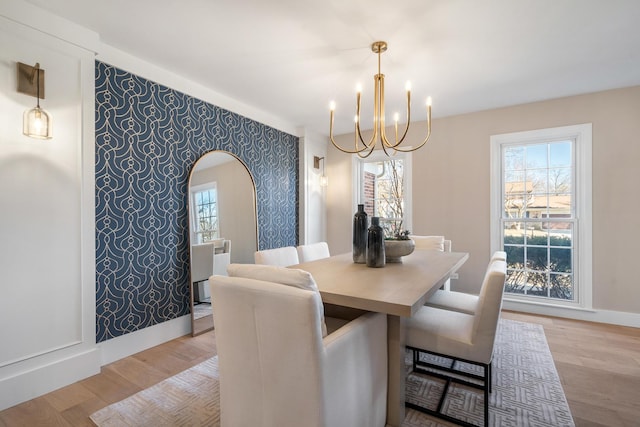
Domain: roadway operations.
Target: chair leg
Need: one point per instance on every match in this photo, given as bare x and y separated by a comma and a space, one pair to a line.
487, 388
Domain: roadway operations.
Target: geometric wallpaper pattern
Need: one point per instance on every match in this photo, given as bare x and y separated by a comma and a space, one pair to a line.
148, 137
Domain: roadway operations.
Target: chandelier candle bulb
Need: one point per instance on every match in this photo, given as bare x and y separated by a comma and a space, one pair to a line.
407, 86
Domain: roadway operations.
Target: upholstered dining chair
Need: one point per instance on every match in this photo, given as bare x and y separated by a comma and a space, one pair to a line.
277, 366
208, 259
313, 251
282, 257
459, 337
460, 301
434, 243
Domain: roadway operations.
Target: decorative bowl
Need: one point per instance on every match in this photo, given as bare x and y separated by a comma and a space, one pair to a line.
394, 250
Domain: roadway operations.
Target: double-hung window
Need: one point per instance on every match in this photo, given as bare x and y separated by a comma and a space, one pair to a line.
541, 213
383, 185
204, 203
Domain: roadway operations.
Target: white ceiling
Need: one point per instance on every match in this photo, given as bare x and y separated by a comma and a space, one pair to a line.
291, 57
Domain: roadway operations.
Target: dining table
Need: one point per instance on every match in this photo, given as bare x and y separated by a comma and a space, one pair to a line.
397, 289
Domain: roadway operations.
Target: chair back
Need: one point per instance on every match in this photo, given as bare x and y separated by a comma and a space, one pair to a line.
282, 257
488, 309
313, 251
501, 255
434, 243
270, 349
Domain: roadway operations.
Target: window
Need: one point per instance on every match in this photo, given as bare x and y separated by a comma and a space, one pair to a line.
541, 213
205, 213
383, 185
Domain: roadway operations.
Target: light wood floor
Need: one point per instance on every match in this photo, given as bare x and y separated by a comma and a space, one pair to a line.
599, 366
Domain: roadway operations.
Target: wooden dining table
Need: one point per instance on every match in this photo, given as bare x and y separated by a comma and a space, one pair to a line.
398, 290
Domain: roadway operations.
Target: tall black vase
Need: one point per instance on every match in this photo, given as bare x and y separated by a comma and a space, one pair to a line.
360, 224
375, 244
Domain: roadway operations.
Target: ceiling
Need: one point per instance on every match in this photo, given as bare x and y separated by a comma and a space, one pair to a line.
290, 58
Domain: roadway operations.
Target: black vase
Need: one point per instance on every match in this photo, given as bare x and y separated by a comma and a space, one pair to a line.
360, 224
375, 244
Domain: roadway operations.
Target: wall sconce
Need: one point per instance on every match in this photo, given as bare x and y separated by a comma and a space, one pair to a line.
324, 181
36, 122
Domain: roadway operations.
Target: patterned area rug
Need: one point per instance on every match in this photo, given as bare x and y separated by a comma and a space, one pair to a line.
526, 391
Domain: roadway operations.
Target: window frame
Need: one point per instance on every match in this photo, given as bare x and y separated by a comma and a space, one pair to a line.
581, 135
194, 210
379, 156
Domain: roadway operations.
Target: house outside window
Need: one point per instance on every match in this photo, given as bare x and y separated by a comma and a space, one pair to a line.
204, 202
541, 213
383, 185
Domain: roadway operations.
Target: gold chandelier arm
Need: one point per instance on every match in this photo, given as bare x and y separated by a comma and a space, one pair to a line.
408, 150
383, 137
335, 144
358, 135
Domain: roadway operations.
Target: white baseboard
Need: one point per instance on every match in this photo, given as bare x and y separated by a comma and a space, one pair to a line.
46, 378
134, 342
593, 315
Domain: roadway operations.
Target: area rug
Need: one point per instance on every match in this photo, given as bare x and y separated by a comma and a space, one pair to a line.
526, 391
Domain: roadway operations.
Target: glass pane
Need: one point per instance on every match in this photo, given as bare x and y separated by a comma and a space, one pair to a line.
559, 181
536, 156
514, 205
514, 158
538, 206
537, 284
560, 260
560, 233
560, 154
536, 235
514, 176
561, 286
537, 258
516, 281
537, 181
513, 233
515, 256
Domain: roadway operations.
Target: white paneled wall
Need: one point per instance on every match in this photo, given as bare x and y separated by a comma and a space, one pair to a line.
47, 262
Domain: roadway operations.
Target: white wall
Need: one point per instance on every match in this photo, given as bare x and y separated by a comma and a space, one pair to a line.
313, 219
47, 261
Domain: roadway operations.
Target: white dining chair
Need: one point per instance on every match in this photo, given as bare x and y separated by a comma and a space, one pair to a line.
278, 368
458, 337
434, 243
460, 301
313, 251
282, 257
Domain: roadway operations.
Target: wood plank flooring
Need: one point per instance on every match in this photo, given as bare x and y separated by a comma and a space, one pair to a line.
598, 364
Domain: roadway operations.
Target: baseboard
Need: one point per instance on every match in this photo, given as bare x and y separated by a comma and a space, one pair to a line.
44, 379
135, 342
593, 315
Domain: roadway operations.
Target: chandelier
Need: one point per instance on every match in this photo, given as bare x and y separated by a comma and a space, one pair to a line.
364, 148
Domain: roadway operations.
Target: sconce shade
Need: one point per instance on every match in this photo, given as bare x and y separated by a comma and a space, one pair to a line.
36, 123
324, 181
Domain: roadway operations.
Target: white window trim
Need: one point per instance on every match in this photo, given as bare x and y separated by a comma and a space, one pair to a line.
378, 156
582, 134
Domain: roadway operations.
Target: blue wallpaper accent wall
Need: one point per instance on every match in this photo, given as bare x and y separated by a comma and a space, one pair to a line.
148, 137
